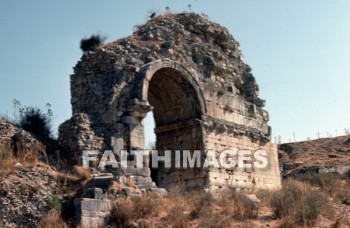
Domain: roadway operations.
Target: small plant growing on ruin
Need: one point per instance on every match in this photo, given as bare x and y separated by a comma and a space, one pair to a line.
53, 202
91, 43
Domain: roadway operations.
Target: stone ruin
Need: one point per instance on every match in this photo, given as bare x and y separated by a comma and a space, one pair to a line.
190, 73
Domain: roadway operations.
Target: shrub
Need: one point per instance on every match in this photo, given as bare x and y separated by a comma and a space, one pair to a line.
264, 196
283, 201
244, 207
91, 43
53, 220
36, 122
297, 203
328, 182
177, 217
127, 210
53, 202
122, 212
213, 218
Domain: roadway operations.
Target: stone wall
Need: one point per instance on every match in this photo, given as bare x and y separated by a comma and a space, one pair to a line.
190, 73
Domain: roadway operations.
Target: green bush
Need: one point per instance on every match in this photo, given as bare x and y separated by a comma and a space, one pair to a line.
53, 202
36, 122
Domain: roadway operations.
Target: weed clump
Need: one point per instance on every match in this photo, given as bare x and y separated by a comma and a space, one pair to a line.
298, 203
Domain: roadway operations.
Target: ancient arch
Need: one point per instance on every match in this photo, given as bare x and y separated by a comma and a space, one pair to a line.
178, 108
147, 72
190, 71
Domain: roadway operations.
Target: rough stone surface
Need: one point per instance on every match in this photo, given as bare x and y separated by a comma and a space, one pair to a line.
76, 135
157, 192
254, 202
14, 138
102, 181
24, 194
190, 72
92, 212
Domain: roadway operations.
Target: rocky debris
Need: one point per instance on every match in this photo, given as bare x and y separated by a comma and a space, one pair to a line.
24, 195
7, 131
103, 180
162, 192
132, 192
254, 201
20, 142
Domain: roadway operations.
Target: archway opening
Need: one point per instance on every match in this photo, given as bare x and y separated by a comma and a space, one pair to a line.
173, 98
176, 111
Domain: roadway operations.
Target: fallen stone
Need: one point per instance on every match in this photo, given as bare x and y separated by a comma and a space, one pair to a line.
162, 192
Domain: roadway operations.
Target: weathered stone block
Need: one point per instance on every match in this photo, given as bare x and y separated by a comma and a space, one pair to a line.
92, 212
157, 192
102, 180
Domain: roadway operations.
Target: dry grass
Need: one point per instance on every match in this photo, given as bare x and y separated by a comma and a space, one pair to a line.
335, 185
244, 208
71, 183
83, 174
7, 159
127, 210
27, 156
183, 209
129, 183
264, 196
53, 220
327, 182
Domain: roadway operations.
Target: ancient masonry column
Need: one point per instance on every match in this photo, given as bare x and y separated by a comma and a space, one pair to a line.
136, 112
133, 121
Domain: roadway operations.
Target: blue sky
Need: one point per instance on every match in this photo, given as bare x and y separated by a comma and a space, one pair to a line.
298, 50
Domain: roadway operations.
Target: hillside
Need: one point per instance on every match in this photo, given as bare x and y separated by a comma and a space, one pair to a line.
317, 156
